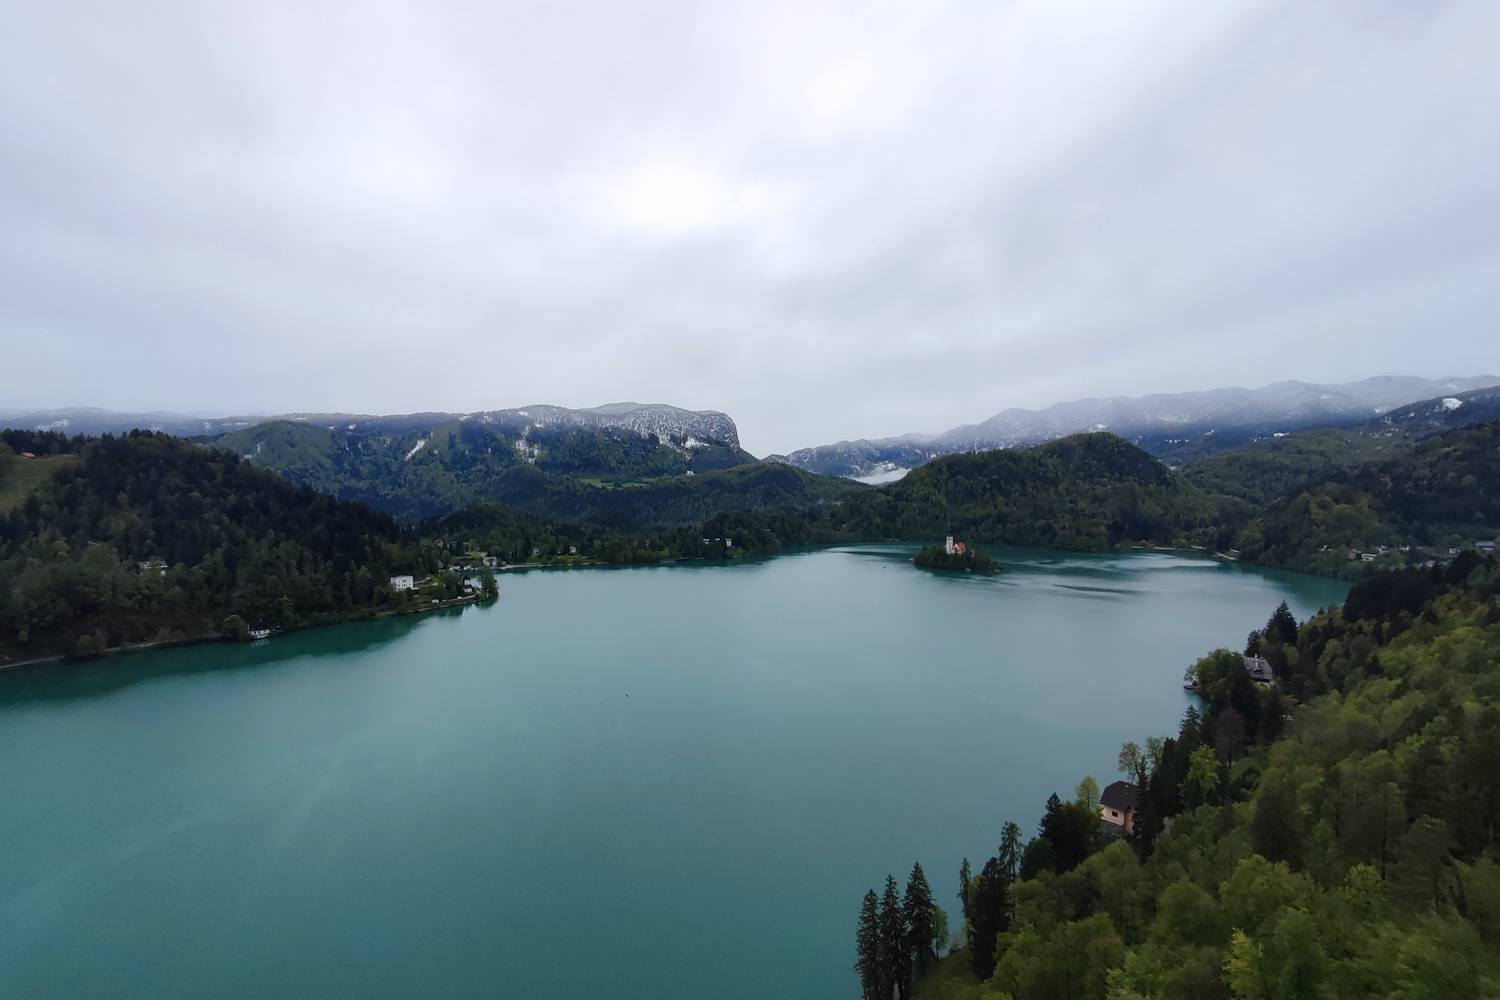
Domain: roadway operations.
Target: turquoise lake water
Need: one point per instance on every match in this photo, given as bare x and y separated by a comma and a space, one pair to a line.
670, 782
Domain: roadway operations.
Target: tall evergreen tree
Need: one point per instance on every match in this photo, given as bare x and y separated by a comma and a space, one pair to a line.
1282, 628
895, 959
989, 904
916, 909
867, 962
965, 882
1011, 846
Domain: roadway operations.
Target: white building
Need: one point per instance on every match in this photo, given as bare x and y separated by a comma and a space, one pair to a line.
948, 545
402, 583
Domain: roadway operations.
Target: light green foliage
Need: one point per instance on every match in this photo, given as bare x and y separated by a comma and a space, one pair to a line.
1087, 793
1071, 962
1201, 785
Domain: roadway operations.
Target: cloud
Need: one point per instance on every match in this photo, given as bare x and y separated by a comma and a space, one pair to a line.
847, 221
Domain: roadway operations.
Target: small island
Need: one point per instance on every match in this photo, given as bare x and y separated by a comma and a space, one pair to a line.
956, 557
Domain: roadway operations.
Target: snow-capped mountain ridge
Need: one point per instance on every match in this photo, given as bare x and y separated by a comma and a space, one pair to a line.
1170, 425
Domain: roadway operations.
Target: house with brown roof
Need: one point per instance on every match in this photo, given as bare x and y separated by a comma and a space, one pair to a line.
1117, 805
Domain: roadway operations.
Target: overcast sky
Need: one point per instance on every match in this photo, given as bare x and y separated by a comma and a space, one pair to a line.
851, 221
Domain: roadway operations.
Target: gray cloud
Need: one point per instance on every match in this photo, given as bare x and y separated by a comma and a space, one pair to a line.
831, 223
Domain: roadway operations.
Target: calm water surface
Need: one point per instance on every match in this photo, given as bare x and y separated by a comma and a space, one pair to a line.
657, 783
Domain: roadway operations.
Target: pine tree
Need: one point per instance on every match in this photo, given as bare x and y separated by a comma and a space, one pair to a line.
916, 910
989, 901
1282, 628
965, 880
895, 960
867, 950
1010, 850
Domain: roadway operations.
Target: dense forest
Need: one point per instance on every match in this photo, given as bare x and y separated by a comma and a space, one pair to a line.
145, 538
1090, 491
1332, 834
1442, 493
557, 473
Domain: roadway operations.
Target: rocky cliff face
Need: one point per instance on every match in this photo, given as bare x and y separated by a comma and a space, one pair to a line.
670, 424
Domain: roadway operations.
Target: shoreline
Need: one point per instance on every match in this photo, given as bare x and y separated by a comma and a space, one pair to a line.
60, 659
591, 563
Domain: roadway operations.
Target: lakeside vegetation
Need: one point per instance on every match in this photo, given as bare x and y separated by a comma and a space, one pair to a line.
1331, 835
146, 538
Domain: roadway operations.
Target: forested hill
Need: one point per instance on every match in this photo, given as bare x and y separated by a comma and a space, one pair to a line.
1335, 835
1090, 491
147, 537
417, 470
1442, 493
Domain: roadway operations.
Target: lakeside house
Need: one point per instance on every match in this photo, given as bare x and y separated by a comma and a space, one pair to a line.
403, 582
1259, 669
490, 562
1117, 805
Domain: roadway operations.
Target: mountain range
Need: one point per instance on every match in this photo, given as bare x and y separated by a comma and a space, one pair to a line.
1175, 427
670, 423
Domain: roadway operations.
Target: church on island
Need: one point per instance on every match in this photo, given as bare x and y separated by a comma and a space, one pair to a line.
952, 548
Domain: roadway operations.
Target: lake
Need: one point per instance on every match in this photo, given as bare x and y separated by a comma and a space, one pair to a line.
666, 782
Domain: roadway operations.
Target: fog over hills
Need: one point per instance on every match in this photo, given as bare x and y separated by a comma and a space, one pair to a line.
1173, 426
669, 423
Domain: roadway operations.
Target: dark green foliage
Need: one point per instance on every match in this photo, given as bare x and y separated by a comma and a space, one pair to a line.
1091, 491
916, 910
40, 443
969, 561
217, 537
869, 960
1266, 471
965, 878
1442, 493
989, 916
1072, 831
626, 481
896, 960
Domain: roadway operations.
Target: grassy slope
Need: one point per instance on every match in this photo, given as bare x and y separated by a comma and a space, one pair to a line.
20, 476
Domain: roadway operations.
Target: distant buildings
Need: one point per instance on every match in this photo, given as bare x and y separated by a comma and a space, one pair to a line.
403, 582
952, 548
157, 566
1117, 805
